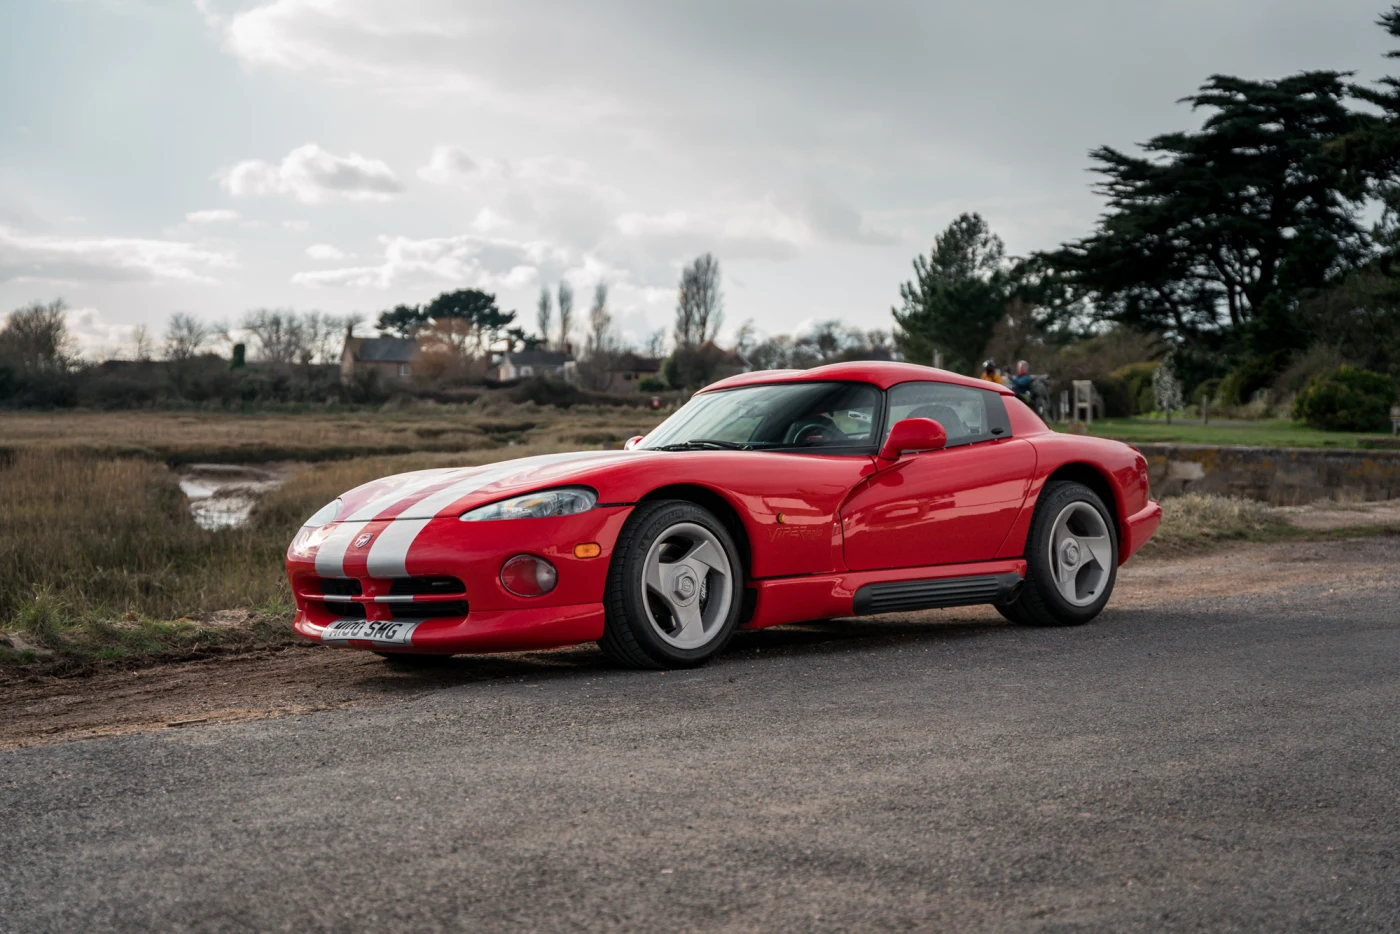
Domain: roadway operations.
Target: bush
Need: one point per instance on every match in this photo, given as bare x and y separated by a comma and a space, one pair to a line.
1252, 375
1117, 397
1137, 377
1346, 399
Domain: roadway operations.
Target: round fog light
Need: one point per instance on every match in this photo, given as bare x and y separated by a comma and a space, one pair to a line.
528, 576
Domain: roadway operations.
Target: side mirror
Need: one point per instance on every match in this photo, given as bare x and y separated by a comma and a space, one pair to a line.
914, 434
632, 442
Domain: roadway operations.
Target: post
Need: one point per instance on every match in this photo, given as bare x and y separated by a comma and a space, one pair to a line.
1083, 403
1205, 410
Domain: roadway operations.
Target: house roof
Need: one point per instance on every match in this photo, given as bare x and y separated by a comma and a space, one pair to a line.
537, 358
383, 349
637, 363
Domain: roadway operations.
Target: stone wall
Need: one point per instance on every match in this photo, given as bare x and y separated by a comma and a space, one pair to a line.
1281, 476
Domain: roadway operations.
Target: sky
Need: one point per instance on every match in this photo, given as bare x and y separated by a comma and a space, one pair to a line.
344, 156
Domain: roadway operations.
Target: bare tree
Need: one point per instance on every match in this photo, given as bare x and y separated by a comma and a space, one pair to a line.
185, 336
321, 336
566, 313
655, 345
699, 303
278, 334
142, 347
599, 321
37, 336
544, 314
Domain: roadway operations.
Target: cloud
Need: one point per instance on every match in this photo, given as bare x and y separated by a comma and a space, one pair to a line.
311, 175
25, 256
298, 226
211, 217
465, 261
324, 251
756, 230
93, 334
544, 196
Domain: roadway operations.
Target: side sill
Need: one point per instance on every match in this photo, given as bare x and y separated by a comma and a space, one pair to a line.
902, 596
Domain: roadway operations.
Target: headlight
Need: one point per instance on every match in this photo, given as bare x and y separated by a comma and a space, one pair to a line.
324, 516
543, 505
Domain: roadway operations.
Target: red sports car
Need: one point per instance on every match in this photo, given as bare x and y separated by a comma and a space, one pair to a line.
769, 498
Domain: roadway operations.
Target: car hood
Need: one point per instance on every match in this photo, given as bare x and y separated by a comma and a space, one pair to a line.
424, 494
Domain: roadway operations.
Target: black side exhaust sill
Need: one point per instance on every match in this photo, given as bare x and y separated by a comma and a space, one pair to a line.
902, 596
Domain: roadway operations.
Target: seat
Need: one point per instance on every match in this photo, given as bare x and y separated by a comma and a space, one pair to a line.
945, 416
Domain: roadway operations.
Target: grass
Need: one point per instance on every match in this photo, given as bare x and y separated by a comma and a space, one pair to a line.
191, 437
1268, 433
1196, 522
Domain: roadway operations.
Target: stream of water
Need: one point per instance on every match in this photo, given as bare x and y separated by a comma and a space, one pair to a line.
222, 496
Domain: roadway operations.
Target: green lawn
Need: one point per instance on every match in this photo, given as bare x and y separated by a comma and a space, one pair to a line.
1271, 433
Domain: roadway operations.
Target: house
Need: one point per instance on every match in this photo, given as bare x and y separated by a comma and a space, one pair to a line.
392, 359
630, 369
725, 363
523, 364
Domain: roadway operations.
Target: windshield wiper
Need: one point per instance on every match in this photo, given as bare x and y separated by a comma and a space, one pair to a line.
702, 443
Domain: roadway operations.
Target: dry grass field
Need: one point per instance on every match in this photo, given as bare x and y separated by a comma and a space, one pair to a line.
188, 437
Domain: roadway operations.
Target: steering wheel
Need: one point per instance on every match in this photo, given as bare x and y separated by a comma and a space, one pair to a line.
819, 430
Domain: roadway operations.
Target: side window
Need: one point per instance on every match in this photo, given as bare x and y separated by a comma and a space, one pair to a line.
968, 415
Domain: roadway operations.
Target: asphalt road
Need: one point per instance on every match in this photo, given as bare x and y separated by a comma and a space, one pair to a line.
1220, 762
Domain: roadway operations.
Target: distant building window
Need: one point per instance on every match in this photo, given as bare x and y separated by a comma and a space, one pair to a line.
403, 369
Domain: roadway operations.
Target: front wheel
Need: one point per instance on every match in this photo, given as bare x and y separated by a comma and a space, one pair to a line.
674, 588
1071, 559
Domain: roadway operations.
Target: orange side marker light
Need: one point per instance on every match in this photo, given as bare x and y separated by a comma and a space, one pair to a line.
588, 550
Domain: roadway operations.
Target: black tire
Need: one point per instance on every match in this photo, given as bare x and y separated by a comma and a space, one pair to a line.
413, 661
629, 637
1040, 602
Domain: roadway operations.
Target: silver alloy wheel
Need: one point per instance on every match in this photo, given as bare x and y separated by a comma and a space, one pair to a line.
687, 585
1081, 553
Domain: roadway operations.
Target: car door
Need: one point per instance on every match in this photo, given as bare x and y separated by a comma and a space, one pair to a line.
941, 507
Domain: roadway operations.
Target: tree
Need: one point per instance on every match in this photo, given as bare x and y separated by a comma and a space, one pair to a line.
404, 321
1213, 236
278, 334
142, 348
1166, 388
957, 296
185, 337
36, 336
600, 350
544, 314
699, 303
566, 313
599, 321
468, 320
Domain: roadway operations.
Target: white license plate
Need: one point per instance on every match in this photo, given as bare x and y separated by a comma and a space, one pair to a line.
384, 632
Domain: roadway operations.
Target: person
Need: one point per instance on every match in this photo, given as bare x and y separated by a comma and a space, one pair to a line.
1021, 382
990, 372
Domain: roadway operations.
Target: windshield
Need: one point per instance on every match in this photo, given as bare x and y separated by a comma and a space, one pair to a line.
837, 416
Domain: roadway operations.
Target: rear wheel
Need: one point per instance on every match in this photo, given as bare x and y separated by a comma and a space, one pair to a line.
674, 587
1071, 559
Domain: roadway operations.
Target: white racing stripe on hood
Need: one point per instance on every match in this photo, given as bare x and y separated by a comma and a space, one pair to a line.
388, 554
432, 504
374, 507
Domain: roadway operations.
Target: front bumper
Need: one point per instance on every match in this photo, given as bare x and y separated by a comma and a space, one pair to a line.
481, 615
